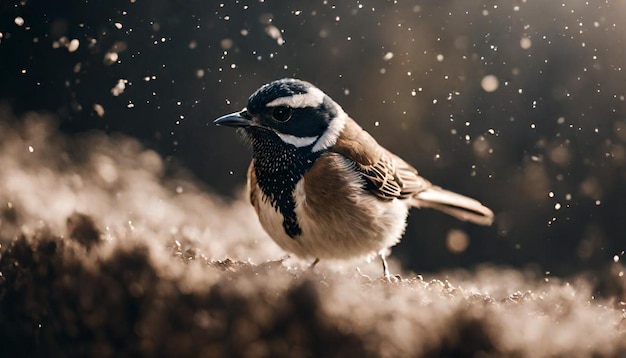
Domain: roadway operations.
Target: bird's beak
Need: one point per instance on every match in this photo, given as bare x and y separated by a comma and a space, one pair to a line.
237, 119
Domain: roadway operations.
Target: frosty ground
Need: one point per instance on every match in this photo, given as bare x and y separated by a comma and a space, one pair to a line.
109, 251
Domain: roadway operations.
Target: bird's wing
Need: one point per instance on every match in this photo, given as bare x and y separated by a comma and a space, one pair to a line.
388, 176
385, 174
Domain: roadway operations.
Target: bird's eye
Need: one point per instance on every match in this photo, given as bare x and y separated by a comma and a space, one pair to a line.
282, 113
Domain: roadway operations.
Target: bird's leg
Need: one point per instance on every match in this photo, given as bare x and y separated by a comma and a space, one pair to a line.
317, 259
385, 267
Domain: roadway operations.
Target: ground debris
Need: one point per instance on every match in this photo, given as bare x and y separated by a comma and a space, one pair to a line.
129, 299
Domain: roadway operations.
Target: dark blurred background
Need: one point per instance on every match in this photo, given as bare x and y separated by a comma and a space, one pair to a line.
520, 104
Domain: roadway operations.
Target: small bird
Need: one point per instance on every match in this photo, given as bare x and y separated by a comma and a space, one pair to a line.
322, 187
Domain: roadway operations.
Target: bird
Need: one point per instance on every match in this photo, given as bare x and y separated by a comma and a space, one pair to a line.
322, 187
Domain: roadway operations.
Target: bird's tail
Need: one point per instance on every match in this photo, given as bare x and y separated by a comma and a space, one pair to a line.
457, 205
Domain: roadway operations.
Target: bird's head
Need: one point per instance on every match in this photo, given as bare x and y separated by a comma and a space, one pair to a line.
291, 111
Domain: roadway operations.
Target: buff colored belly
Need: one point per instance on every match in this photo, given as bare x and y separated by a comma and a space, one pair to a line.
363, 229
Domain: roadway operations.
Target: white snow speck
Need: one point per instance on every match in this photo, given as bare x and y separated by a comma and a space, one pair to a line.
73, 45
19, 21
110, 58
118, 25
388, 56
31, 149
439, 58
119, 88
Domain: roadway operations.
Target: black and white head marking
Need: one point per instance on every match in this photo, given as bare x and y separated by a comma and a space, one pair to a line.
316, 119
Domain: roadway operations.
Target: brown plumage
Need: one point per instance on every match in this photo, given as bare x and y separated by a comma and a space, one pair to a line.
391, 177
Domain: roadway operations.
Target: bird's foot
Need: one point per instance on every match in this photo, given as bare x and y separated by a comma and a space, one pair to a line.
386, 274
315, 262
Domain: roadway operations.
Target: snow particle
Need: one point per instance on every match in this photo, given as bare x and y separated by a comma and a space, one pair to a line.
388, 56
275, 33
119, 88
525, 43
19, 21
73, 45
226, 43
99, 110
110, 58
489, 83
457, 241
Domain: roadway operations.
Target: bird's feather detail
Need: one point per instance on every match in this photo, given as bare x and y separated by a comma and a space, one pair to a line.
457, 205
388, 177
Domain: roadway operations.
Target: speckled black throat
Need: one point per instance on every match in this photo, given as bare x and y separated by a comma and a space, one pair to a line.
278, 167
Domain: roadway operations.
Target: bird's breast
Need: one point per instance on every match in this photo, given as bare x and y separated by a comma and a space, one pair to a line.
337, 218
278, 167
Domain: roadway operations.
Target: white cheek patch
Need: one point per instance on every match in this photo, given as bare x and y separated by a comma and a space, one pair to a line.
329, 138
313, 98
296, 141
